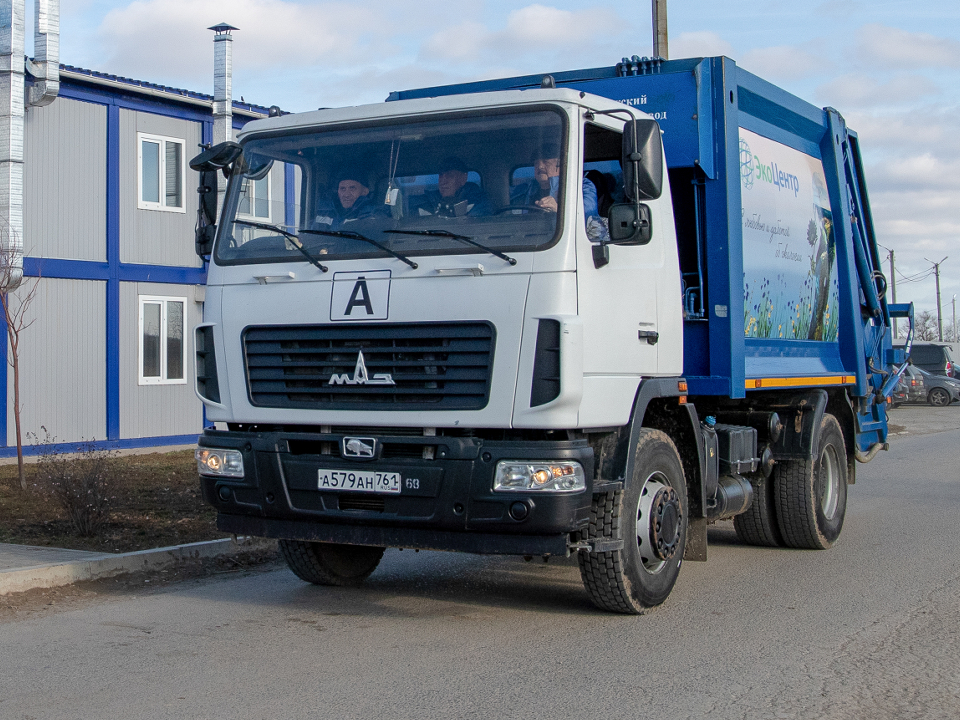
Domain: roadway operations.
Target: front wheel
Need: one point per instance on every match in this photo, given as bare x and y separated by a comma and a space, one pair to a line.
938, 397
811, 495
328, 563
650, 516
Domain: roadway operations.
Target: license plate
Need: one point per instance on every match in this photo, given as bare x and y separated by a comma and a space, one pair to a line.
359, 481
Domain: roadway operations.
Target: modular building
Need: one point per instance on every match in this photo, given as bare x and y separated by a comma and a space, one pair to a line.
109, 209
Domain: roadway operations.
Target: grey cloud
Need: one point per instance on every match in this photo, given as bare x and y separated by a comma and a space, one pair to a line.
890, 47
862, 91
699, 44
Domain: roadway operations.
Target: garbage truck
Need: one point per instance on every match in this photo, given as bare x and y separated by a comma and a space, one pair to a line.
586, 312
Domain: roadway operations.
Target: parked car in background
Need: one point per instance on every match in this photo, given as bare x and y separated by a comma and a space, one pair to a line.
940, 390
909, 388
934, 358
899, 395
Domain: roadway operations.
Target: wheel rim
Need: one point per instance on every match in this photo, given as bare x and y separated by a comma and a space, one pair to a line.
938, 397
829, 482
658, 507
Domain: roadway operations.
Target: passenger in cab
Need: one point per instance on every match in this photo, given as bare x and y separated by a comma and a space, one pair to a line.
542, 191
350, 202
454, 196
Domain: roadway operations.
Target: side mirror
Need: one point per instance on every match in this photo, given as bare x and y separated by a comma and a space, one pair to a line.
206, 212
207, 163
630, 224
642, 160
216, 157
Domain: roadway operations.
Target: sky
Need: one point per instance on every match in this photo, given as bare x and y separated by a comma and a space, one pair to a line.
892, 69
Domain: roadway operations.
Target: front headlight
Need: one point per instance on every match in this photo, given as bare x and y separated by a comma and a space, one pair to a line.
219, 463
518, 476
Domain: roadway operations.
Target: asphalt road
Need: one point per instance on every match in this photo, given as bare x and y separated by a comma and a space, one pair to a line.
868, 629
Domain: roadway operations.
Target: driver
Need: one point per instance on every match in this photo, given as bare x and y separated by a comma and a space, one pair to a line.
542, 191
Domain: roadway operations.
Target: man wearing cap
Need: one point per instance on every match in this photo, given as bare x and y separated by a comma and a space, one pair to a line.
454, 196
544, 189
350, 202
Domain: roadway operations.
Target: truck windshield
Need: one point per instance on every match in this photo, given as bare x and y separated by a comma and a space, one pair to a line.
445, 178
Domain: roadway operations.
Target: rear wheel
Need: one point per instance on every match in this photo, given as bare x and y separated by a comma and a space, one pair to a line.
650, 516
811, 495
330, 564
938, 397
758, 525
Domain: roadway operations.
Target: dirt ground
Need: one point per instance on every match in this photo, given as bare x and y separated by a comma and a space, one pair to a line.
156, 502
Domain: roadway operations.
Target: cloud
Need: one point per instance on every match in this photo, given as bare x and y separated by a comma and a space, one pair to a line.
325, 53
535, 33
865, 92
464, 42
785, 62
699, 44
171, 34
889, 47
925, 172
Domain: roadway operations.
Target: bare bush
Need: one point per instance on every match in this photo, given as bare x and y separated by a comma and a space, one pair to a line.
81, 483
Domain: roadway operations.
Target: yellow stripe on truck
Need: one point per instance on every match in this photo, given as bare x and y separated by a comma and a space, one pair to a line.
760, 383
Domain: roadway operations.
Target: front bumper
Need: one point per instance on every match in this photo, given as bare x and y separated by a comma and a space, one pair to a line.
451, 506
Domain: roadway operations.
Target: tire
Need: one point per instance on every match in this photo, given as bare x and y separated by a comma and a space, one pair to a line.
649, 514
811, 495
329, 564
758, 525
938, 397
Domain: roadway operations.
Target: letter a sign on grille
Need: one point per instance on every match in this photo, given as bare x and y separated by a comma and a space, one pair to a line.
361, 295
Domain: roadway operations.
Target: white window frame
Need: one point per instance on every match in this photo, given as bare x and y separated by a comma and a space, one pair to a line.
162, 379
253, 203
162, 141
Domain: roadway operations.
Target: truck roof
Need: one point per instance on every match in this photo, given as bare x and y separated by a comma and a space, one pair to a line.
421, 106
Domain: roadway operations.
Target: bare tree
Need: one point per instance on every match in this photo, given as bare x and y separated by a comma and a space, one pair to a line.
924, 326
16, 295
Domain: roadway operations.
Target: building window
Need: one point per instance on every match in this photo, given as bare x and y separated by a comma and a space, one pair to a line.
255, 198
161, 173
163, 352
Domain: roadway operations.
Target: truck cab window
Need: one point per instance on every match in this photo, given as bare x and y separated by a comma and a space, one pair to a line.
411, 187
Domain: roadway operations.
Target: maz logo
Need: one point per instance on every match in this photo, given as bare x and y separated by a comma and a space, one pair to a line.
359, 447
360, 376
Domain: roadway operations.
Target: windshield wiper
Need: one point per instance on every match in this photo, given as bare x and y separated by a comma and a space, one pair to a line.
358, 236
454, 236
294, 240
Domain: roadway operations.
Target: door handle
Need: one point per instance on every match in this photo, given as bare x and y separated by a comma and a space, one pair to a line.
651, 336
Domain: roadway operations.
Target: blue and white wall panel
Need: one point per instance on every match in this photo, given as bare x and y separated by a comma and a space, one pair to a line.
62, 360
154, 411
156, 237
65, 176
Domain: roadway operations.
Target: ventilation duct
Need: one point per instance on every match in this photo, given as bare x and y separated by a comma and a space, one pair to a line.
44, 73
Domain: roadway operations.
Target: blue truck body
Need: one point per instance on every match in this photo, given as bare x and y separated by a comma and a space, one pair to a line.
702, 106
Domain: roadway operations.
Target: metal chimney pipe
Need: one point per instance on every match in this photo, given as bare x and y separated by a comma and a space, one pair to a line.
660, 29
12, 20
45, 67
222, 83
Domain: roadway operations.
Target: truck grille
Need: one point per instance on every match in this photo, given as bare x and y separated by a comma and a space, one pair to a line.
409, 366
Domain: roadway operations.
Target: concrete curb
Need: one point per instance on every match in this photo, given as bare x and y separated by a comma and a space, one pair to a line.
108, 565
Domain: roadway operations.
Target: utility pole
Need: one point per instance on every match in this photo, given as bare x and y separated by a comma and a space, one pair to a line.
660, 29
893, 289
936, 270
955, 317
